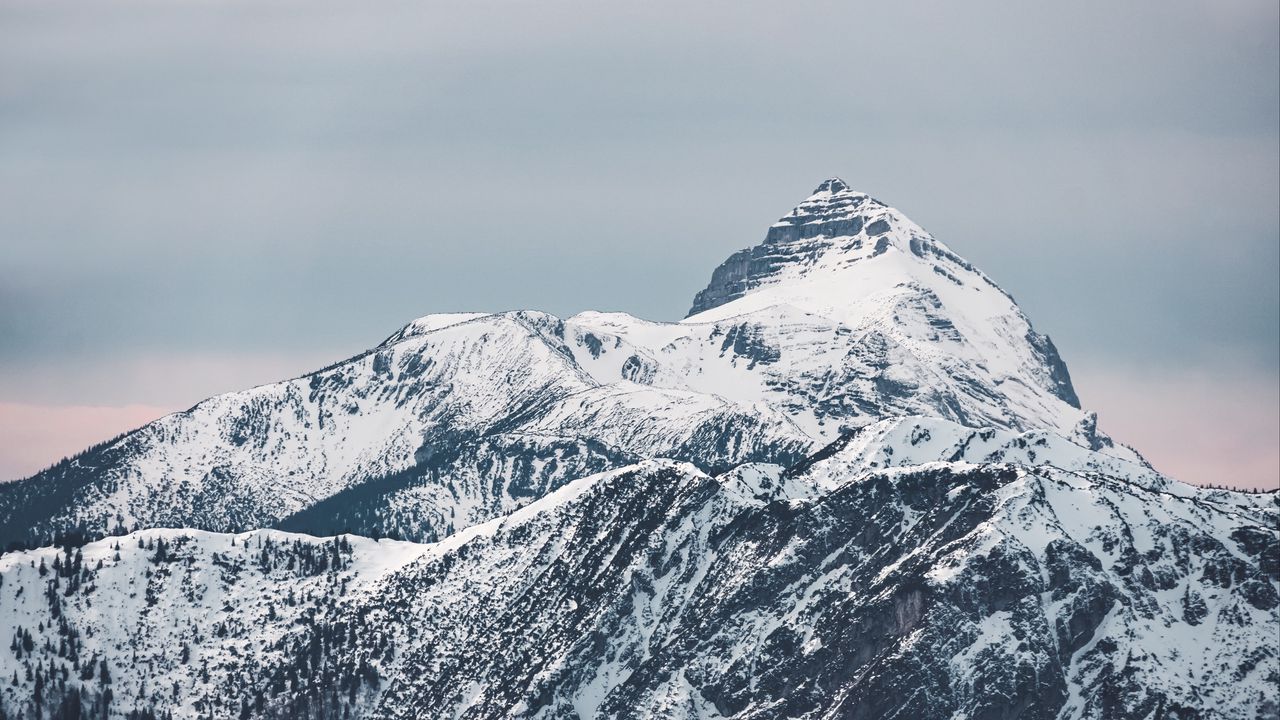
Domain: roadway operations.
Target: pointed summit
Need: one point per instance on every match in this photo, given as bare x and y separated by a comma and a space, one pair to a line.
832, 185
799, 239
848, 258
831, 210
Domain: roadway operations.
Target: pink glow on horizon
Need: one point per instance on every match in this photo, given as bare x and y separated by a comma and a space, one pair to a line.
1195, 426
33, 437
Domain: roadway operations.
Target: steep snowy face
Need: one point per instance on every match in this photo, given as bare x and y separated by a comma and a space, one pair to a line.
833, 252
794, 242
915, 311
848, 312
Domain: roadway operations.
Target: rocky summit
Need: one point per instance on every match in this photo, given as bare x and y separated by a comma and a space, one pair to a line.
854, 482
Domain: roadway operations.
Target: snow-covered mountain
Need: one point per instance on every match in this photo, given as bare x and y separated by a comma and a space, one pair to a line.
853, 482
847, 313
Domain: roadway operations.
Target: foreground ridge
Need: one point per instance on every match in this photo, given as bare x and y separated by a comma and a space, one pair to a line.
841, 587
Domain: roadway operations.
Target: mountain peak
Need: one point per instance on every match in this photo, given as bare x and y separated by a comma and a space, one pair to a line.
831, 185
832, 210
843, 256
810, 237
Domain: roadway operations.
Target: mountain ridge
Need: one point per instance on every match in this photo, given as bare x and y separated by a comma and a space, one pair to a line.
768, 376
660, 590
853, 483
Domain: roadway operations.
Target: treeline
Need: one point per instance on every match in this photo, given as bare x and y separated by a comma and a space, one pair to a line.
29, 508
1238, 489
318, 674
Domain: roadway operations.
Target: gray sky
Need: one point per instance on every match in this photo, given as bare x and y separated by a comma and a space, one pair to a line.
197, 196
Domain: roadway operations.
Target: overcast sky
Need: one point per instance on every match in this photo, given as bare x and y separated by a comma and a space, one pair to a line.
198, 196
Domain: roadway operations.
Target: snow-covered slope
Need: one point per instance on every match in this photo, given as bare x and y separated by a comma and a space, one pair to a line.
169, 619
853, 483
919, 314
847, 313
431, 410
929, 589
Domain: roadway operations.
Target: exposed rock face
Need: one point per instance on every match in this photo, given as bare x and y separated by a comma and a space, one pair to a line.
834, 210
1058, 375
